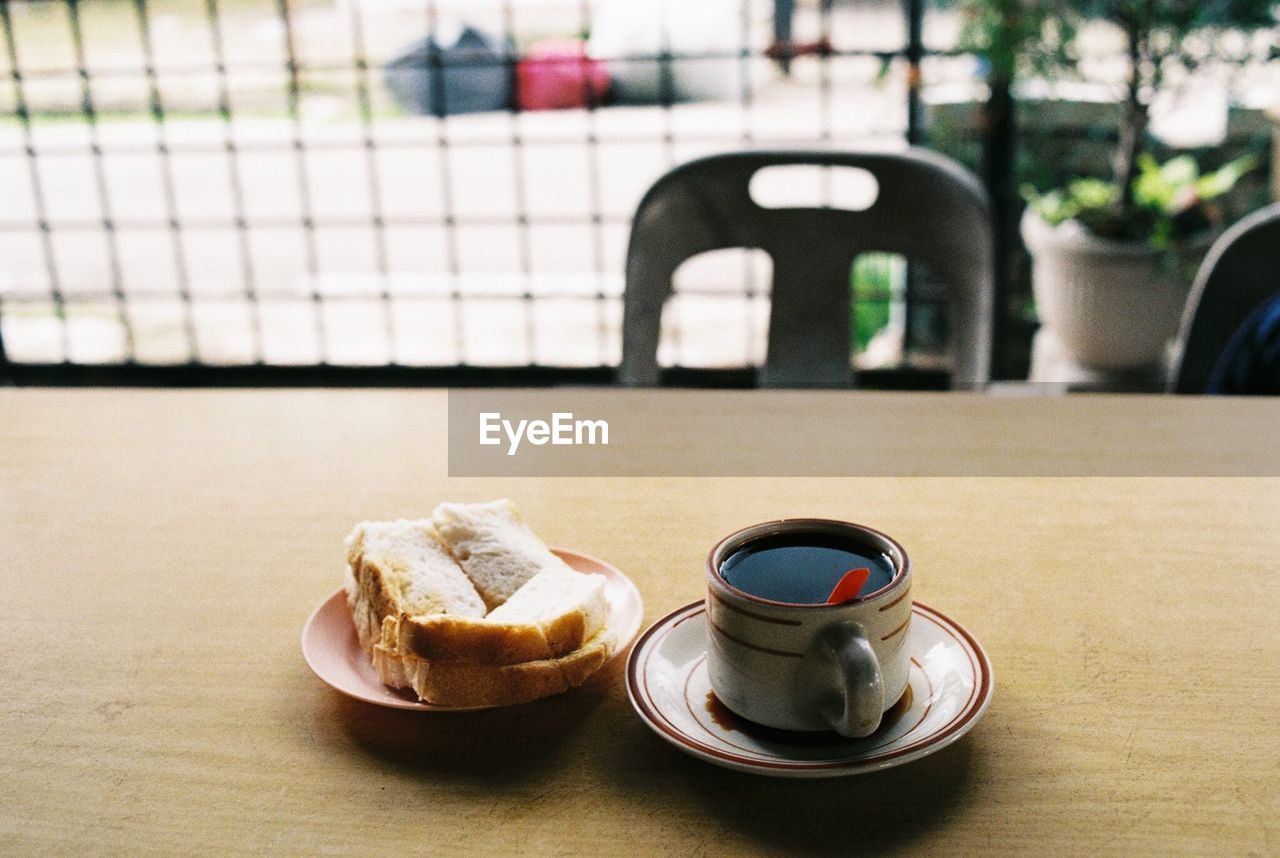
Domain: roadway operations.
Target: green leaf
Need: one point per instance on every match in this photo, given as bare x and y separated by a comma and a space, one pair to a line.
1147, 163
1051, 205
1180, 171
1223, 179
1152, 188
1092, 193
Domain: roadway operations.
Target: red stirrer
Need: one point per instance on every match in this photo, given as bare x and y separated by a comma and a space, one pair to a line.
849, 587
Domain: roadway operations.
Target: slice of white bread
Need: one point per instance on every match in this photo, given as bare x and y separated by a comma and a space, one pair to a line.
497, 550
551, 616
569, 606
398, 567
453, 684
422, 618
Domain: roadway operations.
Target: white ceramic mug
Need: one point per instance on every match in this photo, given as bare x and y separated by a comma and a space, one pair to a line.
809, 666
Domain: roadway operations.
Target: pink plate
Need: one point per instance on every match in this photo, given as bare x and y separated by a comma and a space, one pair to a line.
333, 652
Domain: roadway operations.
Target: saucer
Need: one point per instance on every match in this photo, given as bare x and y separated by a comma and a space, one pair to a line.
332, 650
949, 689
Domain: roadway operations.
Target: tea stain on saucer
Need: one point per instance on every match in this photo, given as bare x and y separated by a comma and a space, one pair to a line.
727, 719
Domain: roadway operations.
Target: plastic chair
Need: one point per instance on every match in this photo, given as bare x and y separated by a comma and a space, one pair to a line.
1240, 272
929, 209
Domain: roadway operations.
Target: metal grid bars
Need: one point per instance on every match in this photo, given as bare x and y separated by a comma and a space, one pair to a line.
195, 183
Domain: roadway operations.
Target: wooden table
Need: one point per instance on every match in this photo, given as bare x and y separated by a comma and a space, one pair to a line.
163, 550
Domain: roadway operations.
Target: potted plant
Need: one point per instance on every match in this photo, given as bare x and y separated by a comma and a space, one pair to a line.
1111, 256
1110, 276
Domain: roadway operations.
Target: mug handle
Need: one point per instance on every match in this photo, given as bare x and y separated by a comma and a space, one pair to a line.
860, 704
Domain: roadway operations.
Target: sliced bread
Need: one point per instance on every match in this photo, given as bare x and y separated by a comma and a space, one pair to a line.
398, 567
453, 684
498, 551
550, 616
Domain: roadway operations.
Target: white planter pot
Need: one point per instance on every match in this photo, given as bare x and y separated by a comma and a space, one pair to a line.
1112, 305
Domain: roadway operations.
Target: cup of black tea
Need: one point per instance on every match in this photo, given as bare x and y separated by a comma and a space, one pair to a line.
808, 622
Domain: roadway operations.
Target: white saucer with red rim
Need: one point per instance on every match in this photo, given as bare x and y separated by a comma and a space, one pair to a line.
950, 687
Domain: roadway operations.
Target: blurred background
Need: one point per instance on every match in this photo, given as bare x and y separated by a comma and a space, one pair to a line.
398, 184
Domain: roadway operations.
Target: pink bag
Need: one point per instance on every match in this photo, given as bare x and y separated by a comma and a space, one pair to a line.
556, 74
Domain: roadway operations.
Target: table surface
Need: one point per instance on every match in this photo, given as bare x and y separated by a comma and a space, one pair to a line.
165, 548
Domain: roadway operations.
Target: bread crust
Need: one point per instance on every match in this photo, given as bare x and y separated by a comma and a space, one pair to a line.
373, 602
440, 637
451, 684
369, 589
560, 612
393, 668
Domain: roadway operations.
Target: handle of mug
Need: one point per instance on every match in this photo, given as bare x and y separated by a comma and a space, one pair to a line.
857, 709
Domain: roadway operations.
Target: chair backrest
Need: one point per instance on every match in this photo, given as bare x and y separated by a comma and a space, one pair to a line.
928, 209
1240, 272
